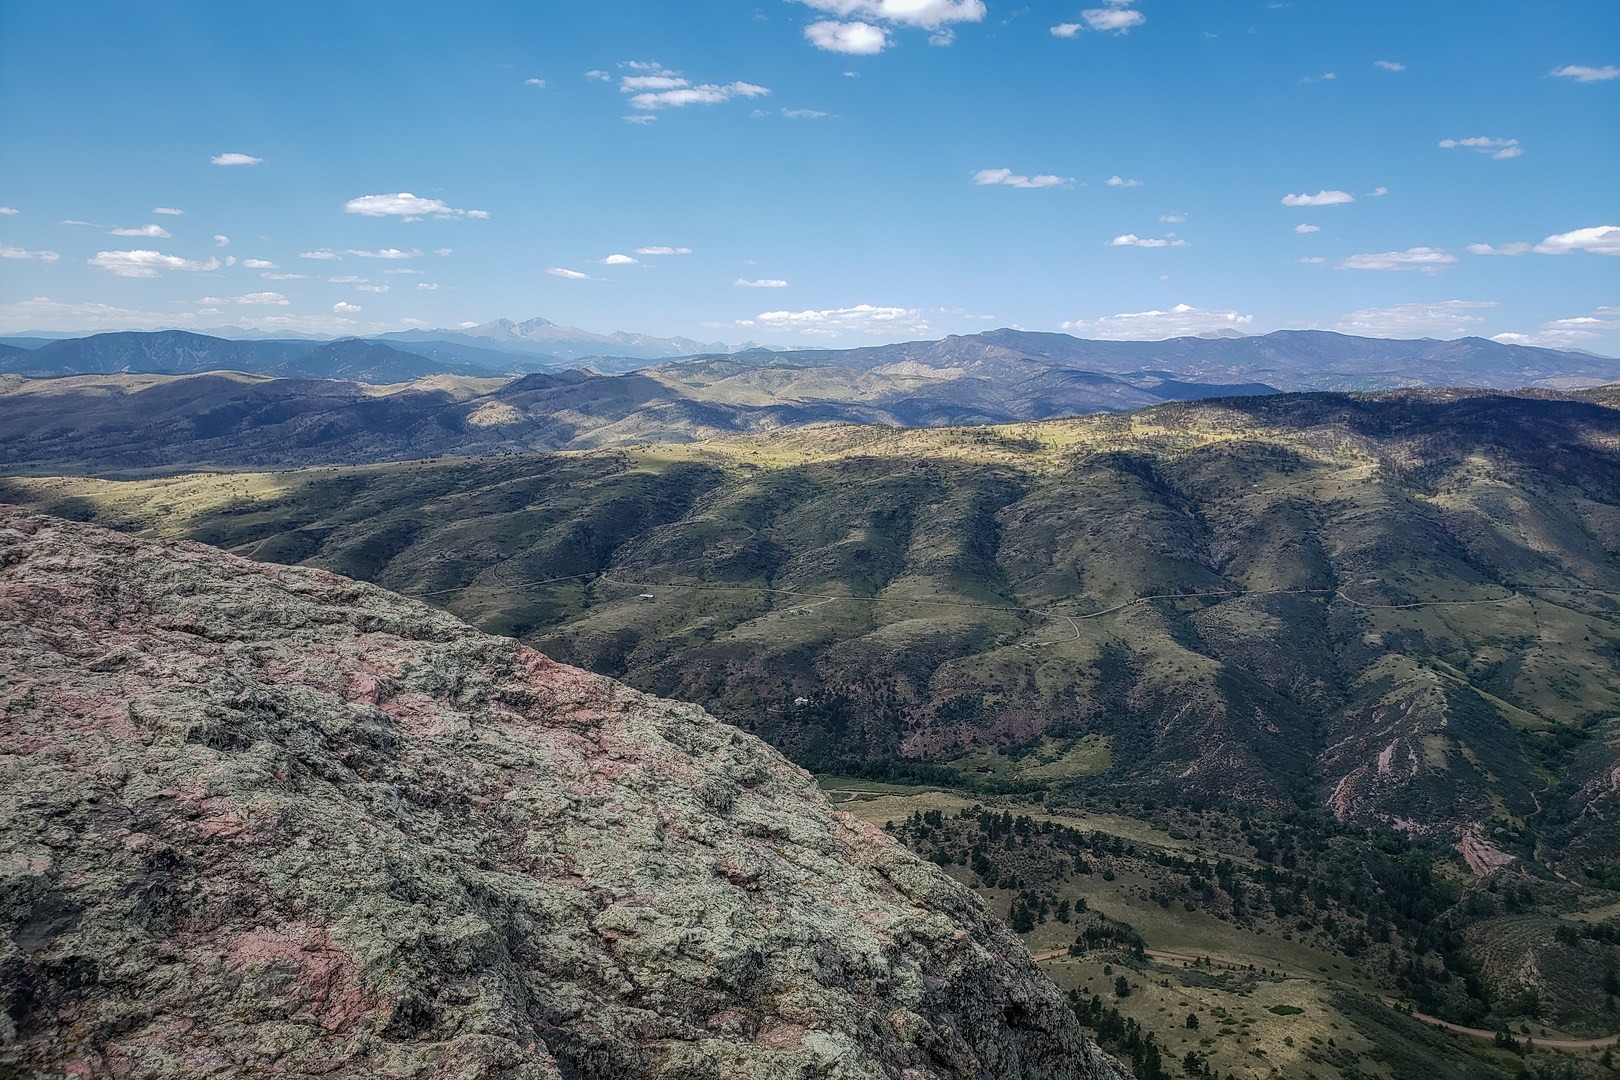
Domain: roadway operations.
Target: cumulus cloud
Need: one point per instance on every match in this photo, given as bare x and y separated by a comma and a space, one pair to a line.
1499, 149
407, 207
443, 251
538, 83
155, 231
1600, 240
426, 286
1518, 247
1180, 321
373, 288
344, 279
851, 38
706, 94
571, 275
401, 270
1428, 259
235, 159
1119, 181
1066, 30
168, 211
1132, 240
1008, 178
1302, 229
343, 307
805, 114
1378, 193
1569, 333
1321, 198
659, 250
146, 264
599, 76
274, 299
1587, 74
1389, 65
836, 322
326, 254
620, 260
1326, 76
9, 210
19, 253
1117, 18
284, 277
258, 264
1444, 318
1175, 217
385, 253
762, 283
221, 240
928, 14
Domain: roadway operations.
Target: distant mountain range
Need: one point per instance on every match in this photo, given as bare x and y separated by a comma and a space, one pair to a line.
1016, 361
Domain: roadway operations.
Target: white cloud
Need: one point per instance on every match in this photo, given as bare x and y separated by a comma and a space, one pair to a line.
221, 240
43, 313
326, 254
538, 83
942, 37
1587, 74
1499, 149
235, 159
571, 275
762, 283
1321, 198
426, 286
385, 253
76, 221
407, 207
620, 260
1132, 240
1175, 217
373, 288
401, 270
632, 84
928, 14
442, 251
640, 118
1180, 321
1008, 178
146, 264
1600, 240
1313, 260
272, 298
835, 322
600, 76
19, 253
284, 277
852, 38
1302, 229
1430, 260
805, 114
1518, 247
1389, 65
1119, 181
657, 250
9, 210
1066, 30
1326, 76
258, 264
1569, 333
167, 210
1378, 193
1444, 318
1116, 18
345, 279
343, 307
155, 231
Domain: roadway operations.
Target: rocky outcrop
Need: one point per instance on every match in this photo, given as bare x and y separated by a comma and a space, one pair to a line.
260, 820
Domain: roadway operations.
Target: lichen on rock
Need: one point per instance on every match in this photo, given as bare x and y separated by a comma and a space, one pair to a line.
261, 820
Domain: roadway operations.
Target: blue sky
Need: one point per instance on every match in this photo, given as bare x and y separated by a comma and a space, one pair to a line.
815, 172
